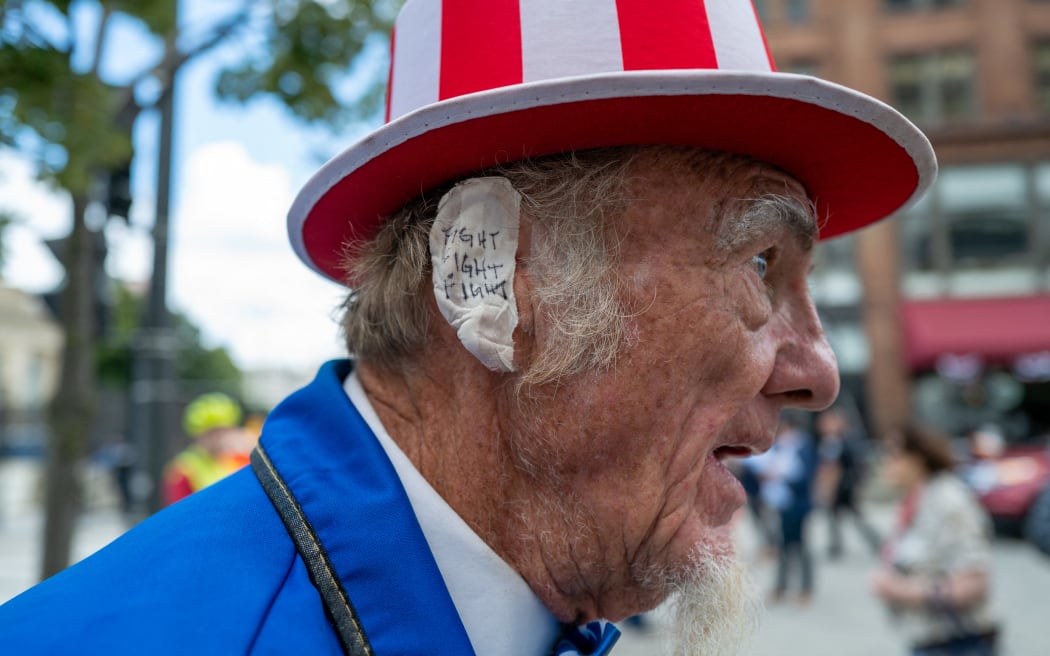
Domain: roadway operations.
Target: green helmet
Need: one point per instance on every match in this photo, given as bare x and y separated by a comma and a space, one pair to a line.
210, 411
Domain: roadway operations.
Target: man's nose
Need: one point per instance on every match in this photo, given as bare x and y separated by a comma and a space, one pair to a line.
805, 374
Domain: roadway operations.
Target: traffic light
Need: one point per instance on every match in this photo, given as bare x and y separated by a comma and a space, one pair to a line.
118, 194
100, 287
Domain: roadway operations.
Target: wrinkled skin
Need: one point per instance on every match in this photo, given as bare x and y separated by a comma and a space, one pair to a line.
716, 352
600, 487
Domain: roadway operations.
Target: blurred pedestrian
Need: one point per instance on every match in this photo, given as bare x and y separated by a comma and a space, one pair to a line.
788, 473
213, 421
118, 457
838, 480
935, 574
986, 442
748, 472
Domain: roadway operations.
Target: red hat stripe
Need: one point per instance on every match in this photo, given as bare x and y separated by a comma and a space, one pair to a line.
738, 36
562, 38
480, 46
665, 34
415, 58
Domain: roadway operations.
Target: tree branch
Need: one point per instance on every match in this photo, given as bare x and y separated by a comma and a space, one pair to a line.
219, 34
12, 6
30, 35
39, 40
173, 60
100, 39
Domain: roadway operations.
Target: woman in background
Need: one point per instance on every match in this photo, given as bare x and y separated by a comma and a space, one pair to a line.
935, 573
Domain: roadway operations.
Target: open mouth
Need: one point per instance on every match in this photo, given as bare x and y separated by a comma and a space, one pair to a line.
733, 451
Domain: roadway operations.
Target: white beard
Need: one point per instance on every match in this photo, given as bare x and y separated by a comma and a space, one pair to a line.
715, 606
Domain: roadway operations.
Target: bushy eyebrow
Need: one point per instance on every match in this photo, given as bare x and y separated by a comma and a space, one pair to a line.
770, 214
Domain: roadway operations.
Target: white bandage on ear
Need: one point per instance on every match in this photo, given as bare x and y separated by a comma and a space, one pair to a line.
473, 243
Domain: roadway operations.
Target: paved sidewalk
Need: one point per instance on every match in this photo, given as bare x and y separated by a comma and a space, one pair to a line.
842, 620
21, 538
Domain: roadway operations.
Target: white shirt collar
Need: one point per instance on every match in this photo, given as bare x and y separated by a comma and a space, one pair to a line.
500, 612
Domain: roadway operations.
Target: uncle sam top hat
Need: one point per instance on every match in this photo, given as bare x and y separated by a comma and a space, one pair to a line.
475, 83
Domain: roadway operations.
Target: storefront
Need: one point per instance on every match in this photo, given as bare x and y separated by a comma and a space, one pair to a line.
980, 361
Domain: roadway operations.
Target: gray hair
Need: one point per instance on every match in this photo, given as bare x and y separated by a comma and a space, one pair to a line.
575, 199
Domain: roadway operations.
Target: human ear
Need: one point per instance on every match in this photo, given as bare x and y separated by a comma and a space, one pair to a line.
473, 255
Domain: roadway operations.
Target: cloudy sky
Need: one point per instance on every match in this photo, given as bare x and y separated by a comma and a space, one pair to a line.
231, 268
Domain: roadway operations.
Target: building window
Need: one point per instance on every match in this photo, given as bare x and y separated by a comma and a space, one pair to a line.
913, 5
975, 217
792, 11
762, 7
1041, 236
798, 11
836, 254
800, 67
934, 87
916, 234
987, 214
1041, 65
34, 381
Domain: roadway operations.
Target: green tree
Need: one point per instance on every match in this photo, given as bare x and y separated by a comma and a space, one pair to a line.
60, 107
195, 363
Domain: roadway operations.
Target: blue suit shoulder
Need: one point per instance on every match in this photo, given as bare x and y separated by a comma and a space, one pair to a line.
210, 575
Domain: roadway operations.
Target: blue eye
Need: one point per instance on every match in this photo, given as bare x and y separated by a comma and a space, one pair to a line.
761, 262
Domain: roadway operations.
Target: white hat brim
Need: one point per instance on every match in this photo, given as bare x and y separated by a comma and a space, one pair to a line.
859, 159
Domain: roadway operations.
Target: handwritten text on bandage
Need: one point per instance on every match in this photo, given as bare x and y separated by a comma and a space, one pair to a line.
478, 277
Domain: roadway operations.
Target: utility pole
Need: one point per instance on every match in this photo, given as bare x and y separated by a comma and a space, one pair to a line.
153, 390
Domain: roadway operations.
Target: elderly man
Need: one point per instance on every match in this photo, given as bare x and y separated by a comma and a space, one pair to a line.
577, 254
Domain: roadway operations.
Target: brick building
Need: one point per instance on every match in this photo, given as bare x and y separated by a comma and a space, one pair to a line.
944, 312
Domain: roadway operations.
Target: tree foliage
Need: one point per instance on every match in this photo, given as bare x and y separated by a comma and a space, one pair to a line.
61, 118
71, 111
61, 106
195, 363
301, 58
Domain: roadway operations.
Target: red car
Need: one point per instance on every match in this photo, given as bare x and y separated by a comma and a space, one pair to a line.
1009, 484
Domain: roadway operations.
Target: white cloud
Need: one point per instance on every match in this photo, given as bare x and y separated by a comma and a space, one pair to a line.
40, 213
233, 271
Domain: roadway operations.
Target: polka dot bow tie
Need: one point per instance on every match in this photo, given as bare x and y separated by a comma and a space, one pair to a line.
592, 639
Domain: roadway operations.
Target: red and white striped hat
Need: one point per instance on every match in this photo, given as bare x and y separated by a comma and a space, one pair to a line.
479, 82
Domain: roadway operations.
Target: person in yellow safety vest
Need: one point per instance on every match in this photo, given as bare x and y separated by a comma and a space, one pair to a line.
213, 421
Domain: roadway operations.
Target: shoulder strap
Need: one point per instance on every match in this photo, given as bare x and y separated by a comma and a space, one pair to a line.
341, 611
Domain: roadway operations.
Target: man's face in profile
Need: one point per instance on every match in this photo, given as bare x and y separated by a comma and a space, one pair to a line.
722, 336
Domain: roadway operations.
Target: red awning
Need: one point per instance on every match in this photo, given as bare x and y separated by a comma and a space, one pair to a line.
995, 329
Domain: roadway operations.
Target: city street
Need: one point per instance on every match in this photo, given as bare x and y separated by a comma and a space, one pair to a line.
842, 620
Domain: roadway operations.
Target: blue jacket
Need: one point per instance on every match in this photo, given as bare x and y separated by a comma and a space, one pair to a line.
218, 573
